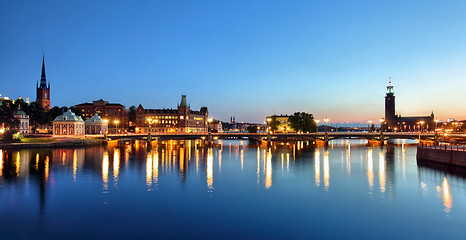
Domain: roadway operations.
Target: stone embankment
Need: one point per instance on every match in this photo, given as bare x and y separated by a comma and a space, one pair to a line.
59, 143
454, 155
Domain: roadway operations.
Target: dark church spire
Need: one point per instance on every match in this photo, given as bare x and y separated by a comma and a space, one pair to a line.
43, 81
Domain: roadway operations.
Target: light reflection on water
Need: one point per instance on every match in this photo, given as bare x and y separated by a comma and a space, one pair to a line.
351, 170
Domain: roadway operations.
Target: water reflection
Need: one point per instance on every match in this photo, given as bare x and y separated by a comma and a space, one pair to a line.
190, 160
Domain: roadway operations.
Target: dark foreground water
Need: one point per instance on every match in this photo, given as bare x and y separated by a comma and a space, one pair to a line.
233, 190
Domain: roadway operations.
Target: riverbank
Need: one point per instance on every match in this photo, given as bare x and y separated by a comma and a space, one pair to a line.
449, 155
54, 142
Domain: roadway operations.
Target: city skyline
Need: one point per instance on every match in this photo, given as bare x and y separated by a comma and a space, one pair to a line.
247, 60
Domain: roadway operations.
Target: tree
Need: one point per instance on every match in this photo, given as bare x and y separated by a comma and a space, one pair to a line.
273, 123
252, 129
304, 122
37, 115
6, 115
132, 114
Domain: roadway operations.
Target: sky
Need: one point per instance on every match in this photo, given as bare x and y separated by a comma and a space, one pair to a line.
247, 59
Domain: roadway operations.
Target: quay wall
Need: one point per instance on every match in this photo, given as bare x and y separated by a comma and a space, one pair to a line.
445, 156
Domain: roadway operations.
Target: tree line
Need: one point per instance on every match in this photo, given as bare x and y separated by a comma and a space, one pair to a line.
37, 114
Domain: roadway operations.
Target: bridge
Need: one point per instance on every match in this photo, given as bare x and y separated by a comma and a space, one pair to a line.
320, 136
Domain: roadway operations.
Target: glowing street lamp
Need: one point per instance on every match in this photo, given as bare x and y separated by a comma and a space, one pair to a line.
381, 124
209, 121
436, 121
421, 122
317, 124
368, 125
116, 125
268, 124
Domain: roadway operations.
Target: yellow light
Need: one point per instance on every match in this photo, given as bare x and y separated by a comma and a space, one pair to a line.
210, 120
105, 120
116, 121
269, 119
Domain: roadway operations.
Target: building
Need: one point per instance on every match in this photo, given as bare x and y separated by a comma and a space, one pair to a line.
43, 90
179, 120
394, 122
95, 125
23, 120
283, 124
115, 114
68, 124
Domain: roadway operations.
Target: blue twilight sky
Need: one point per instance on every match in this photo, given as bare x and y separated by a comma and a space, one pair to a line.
246, 59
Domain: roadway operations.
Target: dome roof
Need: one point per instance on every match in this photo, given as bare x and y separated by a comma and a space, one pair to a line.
68, 117
19, 112
95, 119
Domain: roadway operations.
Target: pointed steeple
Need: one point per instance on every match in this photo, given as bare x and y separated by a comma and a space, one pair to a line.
43, 81
183, 101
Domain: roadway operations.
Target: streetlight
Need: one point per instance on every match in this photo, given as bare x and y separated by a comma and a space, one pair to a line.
209, 121
326, 121
421, 122
268, 124
436, 121
116, 125
368, 125
381, 124
317, 124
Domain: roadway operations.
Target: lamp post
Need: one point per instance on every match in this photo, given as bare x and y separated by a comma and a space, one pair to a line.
436, 121
116, 125
317, 125
326, 121
381, 124
420, 124
268, 124
368, 125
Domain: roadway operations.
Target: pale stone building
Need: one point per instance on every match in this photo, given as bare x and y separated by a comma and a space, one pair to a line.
23, 120
68, 124
95, 125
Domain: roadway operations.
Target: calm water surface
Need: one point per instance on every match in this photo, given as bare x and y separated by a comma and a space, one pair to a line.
235, 189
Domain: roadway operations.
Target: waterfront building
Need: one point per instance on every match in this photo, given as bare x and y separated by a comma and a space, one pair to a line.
95, 125
115, 114
23, 120
179, 120
68, 124
43, 90
284, 125
394, 122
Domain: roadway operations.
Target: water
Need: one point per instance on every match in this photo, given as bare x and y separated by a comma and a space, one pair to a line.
235, 189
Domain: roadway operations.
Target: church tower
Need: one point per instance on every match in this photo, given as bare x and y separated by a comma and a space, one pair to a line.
390, 117
43, 90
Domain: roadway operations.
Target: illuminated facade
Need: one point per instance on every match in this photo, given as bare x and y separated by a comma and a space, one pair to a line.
397, 123
68, 124
284, 125
23, 120
43, 90
95, 125
115, 114
179, 120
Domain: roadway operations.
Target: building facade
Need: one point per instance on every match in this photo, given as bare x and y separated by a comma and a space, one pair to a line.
95, 125
68, 124
43, 90
397, 123
283, 124
115, 114
23, 120
179, 120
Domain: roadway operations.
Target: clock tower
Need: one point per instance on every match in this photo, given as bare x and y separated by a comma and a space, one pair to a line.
43, 90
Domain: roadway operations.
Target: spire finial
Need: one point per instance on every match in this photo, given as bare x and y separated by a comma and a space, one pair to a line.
43, 81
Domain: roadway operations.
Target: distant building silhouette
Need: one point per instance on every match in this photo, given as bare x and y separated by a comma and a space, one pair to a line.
394, 122
43, 90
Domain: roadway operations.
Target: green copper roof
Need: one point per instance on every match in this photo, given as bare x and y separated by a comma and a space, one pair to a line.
183, 101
